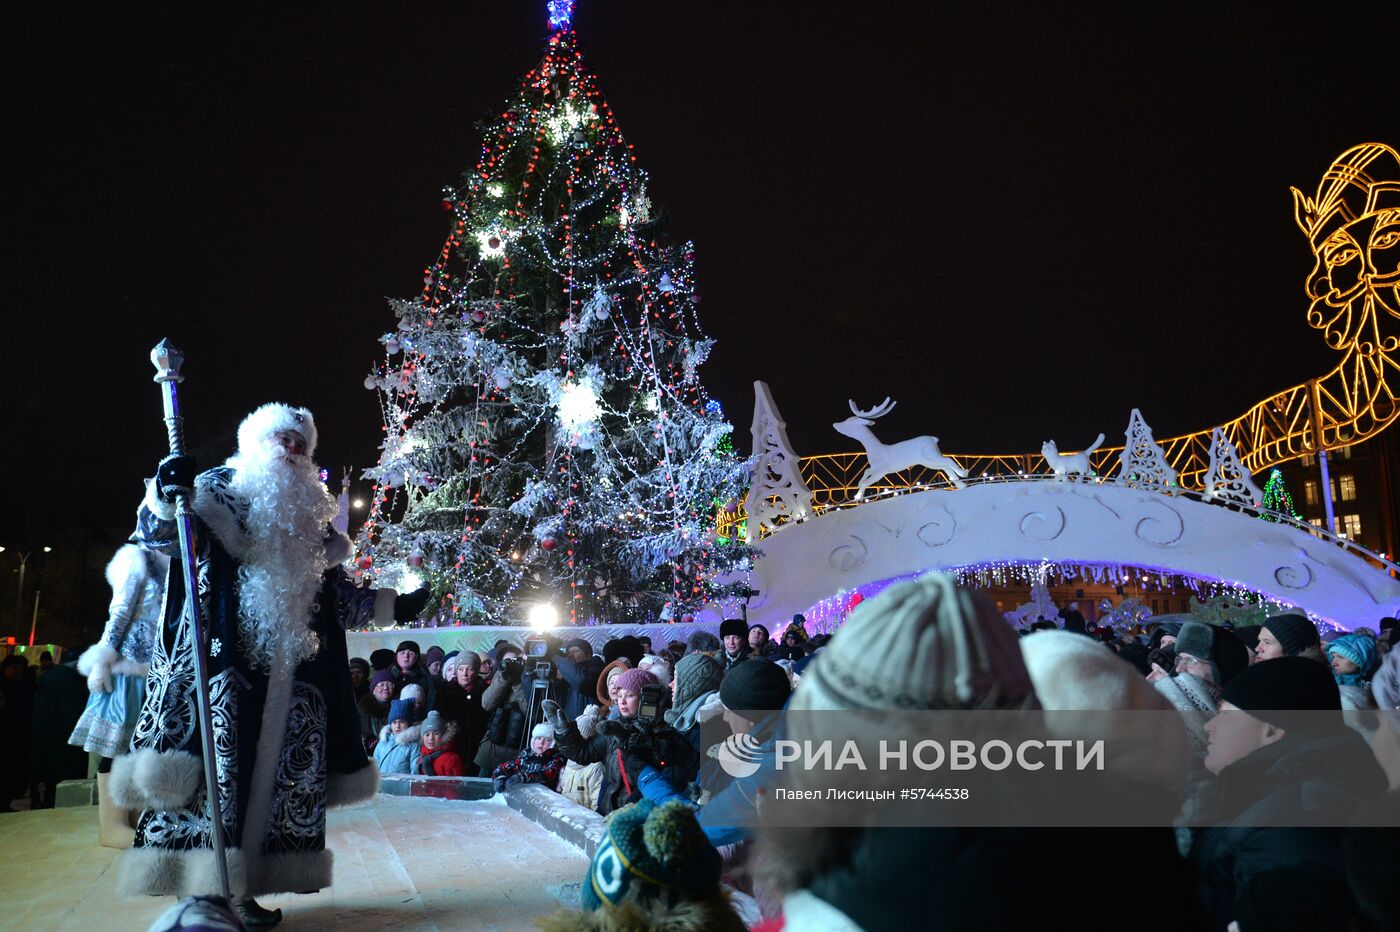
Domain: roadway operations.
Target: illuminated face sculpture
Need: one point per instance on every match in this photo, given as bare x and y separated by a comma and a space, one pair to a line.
1353, 224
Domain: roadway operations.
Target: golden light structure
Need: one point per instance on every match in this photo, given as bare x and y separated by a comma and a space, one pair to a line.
1353, 225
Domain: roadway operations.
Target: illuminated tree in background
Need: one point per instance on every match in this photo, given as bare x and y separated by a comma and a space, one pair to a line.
1276, 498
546, 434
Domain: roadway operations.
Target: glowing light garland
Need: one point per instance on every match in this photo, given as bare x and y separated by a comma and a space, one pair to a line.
544, 424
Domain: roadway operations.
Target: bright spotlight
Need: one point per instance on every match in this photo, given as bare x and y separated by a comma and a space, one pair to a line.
543, 616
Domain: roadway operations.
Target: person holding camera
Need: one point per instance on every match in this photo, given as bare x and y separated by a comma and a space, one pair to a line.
507, 701
637, 739
577, 668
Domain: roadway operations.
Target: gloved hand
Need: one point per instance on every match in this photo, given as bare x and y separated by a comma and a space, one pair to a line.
410, 606
498, 784
100, 677
555, 716
175, 474
515, 779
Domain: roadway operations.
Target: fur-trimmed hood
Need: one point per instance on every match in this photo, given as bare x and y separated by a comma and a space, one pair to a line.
408, 737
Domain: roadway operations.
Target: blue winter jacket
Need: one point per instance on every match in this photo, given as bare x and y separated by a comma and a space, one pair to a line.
397, 753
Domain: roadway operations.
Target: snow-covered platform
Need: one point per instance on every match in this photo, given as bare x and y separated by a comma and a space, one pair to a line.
403, 863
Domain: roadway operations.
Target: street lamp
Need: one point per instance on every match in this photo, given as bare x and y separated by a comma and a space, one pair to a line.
19, 589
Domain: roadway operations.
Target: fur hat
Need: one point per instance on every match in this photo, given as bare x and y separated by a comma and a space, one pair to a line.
621, 665
954, 651
269, 419
657, 667
652, 852
381, 659
696, 674
1293, 632
634, 680
1226, 653
736, 626
755, 685
542, 730
402, 709
433, 721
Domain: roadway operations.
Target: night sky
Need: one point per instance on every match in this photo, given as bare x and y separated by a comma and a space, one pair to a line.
1019, 220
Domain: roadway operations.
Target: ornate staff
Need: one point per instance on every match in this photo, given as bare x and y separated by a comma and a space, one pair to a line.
168, 360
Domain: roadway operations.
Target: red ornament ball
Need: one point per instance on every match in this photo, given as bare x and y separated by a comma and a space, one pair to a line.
446, 204
549, 543
415, 559
478, 316
365, 562
856, 599
494, 242
687, 619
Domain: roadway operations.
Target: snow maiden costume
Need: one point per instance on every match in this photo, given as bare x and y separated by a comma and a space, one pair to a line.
116, 665
286, 739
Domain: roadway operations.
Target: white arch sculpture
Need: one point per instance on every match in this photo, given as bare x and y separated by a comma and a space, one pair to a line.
1034, 521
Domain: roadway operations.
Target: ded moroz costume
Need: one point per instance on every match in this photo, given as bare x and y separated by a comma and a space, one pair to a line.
286, 729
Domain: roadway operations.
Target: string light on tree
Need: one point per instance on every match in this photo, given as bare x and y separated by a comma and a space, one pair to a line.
544, 419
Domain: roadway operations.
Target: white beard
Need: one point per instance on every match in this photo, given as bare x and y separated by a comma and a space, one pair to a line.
288, 513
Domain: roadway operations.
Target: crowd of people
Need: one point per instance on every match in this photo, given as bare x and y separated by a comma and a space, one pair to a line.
1273, 810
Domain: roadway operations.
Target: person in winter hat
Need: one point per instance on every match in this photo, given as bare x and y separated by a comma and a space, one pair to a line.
760, 642
653, 871
506, 704
1210, 652
540, 763
437, 755
696, 681
359, 676
1353, 659
579, 670
626, 746
459, 702
733, 633
381, 659
397, 750
607, 680
1072, 673
955, 652
794, 643
276, 612
411, 669
1288, 635
433, 659
1280, 764
374, 707
658, 668
116, 668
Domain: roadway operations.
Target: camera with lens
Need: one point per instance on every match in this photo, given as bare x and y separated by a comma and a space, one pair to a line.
511, 668
537, 662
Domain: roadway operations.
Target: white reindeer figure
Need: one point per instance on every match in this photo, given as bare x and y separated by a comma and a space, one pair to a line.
886, 458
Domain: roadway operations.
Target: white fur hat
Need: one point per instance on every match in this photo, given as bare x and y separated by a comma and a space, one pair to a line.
543, 730
270, 418
657, 667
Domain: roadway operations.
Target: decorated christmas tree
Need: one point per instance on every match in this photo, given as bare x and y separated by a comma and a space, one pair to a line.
547, 437
1276, 499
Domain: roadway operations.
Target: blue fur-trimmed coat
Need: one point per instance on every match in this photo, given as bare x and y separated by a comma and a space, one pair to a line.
276, 790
